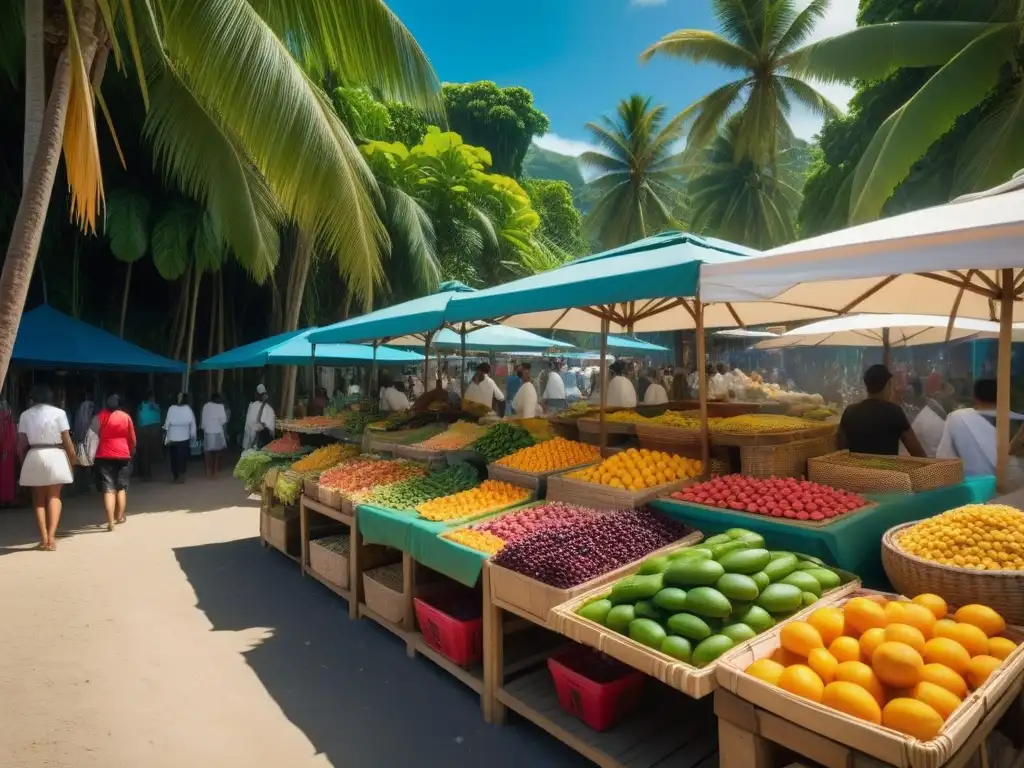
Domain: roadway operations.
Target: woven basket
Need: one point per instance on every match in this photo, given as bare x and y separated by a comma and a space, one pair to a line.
331, 563
1002, 591
846, 470
785, 460
384, 592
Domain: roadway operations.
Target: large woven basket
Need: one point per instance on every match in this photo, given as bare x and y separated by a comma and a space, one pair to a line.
901, 474
1003, 591
785, 460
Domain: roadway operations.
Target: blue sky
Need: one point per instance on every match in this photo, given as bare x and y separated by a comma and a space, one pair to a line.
580, 57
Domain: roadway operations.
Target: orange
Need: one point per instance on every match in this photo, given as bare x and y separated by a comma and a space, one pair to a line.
828, 622
786, 658
859, 673
853, 700
845, 649
897, 664
862, 614
936, 630
982, 617
980, 668
870, 640
936, 697
904, 633
912, 717
800, 638
974, 641
943, 650
882, 600
767, 670
1000, 647
944, 677
894, 610
823, 663
920, 617
933, 603
801, 680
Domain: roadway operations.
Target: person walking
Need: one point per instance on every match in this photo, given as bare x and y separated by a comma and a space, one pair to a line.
47, 457
213, 420
112, 467
179, 432
147, 425
260, 420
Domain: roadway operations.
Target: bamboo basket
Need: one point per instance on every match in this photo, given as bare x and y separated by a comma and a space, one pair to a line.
742, 440
592, 426
843, 469
384, 592
535, 481
331, 564
783, 460
572, 491
656, 437
889, 746
1003, 591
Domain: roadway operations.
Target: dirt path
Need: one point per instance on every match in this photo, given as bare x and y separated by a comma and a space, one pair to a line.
178, 641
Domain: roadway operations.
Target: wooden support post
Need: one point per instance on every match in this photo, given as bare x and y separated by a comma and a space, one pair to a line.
702, 381
886, 349
1003, 380
375, 390
603, 441
462, 371
409, 608
494, 654
355, 571
303, 536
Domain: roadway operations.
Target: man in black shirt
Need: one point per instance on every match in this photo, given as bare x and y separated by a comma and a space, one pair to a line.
877, 425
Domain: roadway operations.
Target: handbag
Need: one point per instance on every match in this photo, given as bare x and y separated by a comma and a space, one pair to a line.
86, 451
263, 434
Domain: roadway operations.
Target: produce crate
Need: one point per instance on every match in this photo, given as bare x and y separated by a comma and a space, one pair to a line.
384, 592
598, 704
778, 520
887, 745
1001, 591
696, 682
562, 427
311, 487
331, 564
535, 481
538, 600
531, 497
785, 459
333, 498
742, 440
279, 527
904, 474
568, 489
458, 639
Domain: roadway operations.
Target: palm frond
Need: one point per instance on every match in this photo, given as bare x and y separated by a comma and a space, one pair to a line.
800, 26
807, 95
171, 243
742, 21
710, 112
907, 134
412, 236
133, 44
994, 150
611, 138
207, 245
596, 161
126, 224
700, 46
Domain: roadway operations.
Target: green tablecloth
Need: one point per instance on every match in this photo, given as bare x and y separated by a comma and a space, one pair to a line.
853, 544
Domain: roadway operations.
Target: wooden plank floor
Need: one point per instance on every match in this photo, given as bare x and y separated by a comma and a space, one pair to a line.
669, 730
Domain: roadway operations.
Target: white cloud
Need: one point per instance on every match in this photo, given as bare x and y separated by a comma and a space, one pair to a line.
841, 17
563, 146
646, 3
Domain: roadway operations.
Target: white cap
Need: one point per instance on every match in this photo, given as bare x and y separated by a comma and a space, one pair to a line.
260, 389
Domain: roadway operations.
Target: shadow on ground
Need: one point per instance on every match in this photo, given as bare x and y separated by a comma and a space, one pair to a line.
346, 684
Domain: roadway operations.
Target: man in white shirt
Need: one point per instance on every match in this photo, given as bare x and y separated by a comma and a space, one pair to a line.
554, 391
482, 388
621, 392
525, 402
970, 433
930, 422
259, 416
390, 398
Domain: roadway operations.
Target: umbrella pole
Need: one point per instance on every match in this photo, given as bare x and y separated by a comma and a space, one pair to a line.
603, 440
1003, 381
462, 370
312, 366
426, 365
375, 390
702, 382
886, 349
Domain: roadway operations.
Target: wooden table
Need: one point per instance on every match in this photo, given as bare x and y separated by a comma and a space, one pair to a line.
309, 507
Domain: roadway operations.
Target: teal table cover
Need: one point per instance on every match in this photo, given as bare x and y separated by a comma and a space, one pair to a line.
853, 544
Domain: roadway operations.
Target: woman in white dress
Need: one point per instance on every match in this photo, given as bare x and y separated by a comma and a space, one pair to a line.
213, 420
47, 457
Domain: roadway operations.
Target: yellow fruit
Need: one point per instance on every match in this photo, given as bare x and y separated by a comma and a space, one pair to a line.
767, 670
869, 641
829, 623
1000, 647
859, 673
904, 633
980, 668
938, 698
845, 648
862, 614
944, 677
786, 658
801, 680
882, 600
853, 700
978, 536
897, 664
912, 717
800, 637
823, 663
948, 652
894, 611
969, 636
933, 603
982, 617
920, 617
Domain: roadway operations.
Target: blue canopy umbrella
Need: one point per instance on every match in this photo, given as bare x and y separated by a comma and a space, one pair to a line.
50, 339
491, 338
294, 348
627, 344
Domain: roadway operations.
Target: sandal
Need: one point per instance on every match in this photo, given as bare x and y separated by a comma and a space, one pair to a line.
51, 547
110, 527
120, 520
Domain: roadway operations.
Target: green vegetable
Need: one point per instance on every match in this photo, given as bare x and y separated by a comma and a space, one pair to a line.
677, 648
705, 601
736, 586
501, 440
691, 572
781, 567
808, 598
671, 599
633, 588
645, 609
804, 581
719, 550
710, 649
647, 632
828, 579
697, 553
745, 561
738, 633
620, 617
653, 565
757, 618
596, 611
761, 579
689, 626
779, 598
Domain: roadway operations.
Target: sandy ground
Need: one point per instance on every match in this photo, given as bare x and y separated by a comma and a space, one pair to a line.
179, 641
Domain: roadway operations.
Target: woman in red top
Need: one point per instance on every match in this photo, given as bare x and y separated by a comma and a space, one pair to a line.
113, 465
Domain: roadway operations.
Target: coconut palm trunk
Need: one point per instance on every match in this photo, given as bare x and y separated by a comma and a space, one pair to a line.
35, 84
28, 224
296, 290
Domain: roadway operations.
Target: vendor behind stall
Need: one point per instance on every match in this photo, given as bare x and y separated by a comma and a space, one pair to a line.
554, 390
391, 397
482, 389
621, 392
525, 403
876, 424
656, 394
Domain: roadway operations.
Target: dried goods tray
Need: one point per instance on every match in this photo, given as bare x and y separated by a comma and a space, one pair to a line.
536, 481
814, 524
307, 429
772, 438
693, 681
573, 491
889, 746
536, 600
905, 474
592, 425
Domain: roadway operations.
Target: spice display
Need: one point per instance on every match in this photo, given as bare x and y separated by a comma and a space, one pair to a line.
287, 443
639, 468
456, 437
550, 455
986, 537
762, 423
489, 496
624, 417
777, 497
368, 473
501, 440
325, 458
407, 494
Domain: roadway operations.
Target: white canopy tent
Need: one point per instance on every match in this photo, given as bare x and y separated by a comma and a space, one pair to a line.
881, 331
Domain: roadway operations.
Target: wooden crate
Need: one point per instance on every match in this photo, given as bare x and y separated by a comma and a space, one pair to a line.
779, 520
885, 744
535, 481
785, 459
537, 600
909, 474
332, 565
573, 491
311, 487
280, 529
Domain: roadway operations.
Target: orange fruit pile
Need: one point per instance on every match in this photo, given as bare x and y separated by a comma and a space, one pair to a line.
489, 496
550, 455
639, 468
906, 665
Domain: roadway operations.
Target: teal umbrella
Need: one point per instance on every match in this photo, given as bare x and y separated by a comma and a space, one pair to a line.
295, 349
492, 338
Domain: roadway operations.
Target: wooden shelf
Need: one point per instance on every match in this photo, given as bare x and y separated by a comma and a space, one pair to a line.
271, 545
669, 730
326, 511
345, 594
366, 613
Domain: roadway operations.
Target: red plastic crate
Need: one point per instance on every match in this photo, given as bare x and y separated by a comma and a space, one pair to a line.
600, 703
451, 624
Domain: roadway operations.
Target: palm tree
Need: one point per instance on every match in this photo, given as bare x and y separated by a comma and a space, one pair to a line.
738, 200
638, 186
234, 117
973, 58
761, 39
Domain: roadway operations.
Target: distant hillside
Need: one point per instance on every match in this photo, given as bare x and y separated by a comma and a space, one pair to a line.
542, 163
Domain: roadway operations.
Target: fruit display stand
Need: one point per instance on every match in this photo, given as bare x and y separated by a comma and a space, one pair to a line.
757, 720
535, 481
852, 543
618, 432
586, 494
866, 473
